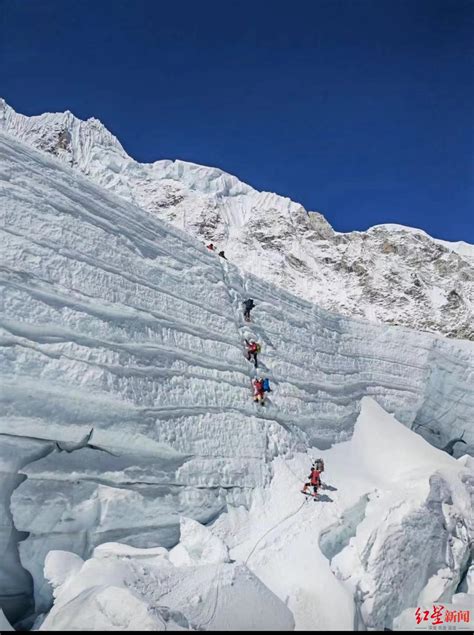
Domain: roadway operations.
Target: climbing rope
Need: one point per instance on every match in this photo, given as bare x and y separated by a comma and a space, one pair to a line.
287, 517
234, 299
216, 598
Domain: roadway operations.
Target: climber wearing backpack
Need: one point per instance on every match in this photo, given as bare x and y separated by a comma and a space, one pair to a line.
211, 247
258, 395
314, 481
253, 348
248, 306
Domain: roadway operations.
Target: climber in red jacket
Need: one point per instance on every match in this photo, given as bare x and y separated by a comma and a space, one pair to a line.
253, 348
258, 393
314, 481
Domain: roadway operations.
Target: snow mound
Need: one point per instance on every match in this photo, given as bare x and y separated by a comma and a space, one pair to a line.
123, 589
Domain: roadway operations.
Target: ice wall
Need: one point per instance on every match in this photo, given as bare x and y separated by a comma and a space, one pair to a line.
122, 345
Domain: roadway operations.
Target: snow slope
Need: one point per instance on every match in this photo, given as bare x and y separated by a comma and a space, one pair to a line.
381, 533
390, 273
126, 399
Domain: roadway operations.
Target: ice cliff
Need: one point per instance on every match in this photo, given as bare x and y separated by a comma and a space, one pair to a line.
126, 401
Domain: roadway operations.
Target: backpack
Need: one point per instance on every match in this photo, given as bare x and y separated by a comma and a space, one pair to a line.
319, 465
266, 385
258, 348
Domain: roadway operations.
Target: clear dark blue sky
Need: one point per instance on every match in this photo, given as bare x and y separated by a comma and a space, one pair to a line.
361, 109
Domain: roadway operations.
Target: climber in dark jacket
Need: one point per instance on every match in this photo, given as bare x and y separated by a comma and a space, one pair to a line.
249, 305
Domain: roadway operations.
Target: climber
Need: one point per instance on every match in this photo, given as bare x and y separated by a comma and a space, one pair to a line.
249, 305
253, 348
266, 385
314, 481
211, 247
258, 395
222, 255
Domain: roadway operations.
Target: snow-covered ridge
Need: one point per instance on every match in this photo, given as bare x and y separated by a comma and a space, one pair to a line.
388, 274
80, 143
460, 247
126, 398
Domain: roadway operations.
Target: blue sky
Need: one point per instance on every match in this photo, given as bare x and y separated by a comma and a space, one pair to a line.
361, 109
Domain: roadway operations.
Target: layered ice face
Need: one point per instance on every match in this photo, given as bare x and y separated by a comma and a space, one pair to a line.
390, 273
126, 395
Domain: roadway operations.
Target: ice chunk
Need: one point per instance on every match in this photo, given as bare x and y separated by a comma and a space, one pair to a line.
59, 566
197, 545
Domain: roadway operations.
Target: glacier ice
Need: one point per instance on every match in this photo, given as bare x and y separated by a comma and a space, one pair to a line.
15, 582
413, 544
393, 525
132, 589
125, 386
